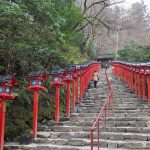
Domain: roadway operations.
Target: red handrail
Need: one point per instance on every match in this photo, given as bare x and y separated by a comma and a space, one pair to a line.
107, 103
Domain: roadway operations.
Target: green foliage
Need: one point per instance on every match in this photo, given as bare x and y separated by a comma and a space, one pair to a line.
36, 34
33, 33
135, 52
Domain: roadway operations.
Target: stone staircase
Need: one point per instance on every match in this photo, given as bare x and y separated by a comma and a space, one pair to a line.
128, 124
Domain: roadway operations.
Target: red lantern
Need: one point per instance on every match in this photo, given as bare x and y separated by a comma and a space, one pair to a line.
147, 73
36, 80
36, 84
57, 81
68, 79
57, 77
143, 75
6, 93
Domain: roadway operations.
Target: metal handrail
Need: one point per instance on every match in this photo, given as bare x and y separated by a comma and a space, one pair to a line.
103, 110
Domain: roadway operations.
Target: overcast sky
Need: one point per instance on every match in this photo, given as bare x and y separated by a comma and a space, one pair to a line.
129, 2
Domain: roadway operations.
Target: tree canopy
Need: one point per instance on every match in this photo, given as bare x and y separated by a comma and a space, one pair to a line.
135, 52
37, 34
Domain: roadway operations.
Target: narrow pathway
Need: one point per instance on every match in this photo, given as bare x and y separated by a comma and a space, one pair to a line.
73, 134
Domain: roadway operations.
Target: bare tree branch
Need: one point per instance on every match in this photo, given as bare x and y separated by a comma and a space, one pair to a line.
105, 5
91, 20
85, 6
96, 3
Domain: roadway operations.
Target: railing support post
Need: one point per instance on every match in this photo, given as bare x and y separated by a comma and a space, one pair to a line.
98, 133
148, 84
77, 88
139, 85
68, 100
57, 101
2, 123
73, 95
35, 114
91, 139
143, 87
105, 117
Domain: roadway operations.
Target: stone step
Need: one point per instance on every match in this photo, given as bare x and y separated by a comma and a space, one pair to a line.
55, 147
136, 145
126, 97
78, 126
84, 114
129, 100
129, 108
75, 119
121, 102
145, 130
71, 142
88, 106
125, 136
104, 135
70, 135
131, 104
95, 98
114, 113
128, 144
86, 101
97, 110
127, 111
65, 128
126, 115
104, 143
110, 123
86, 110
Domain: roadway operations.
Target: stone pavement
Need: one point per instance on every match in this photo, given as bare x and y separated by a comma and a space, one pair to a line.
128, 125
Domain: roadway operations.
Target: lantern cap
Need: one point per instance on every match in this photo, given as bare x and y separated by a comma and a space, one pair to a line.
143, 64
77, 66
85, 64
134, 64
142, 70
148, 64
70, 68
147, 70
8, 78
39, 73
138, 64
57, 70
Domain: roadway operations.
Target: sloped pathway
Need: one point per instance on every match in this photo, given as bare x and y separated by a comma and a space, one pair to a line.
128, 126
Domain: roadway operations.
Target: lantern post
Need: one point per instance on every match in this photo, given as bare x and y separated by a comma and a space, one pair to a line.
142, 72
36, 79
148, 84
147, 72
68, 79
77, 74
127, 72
138, 68
82, 79
57, 81
6, 93
82, 84
132, 76
75, 85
